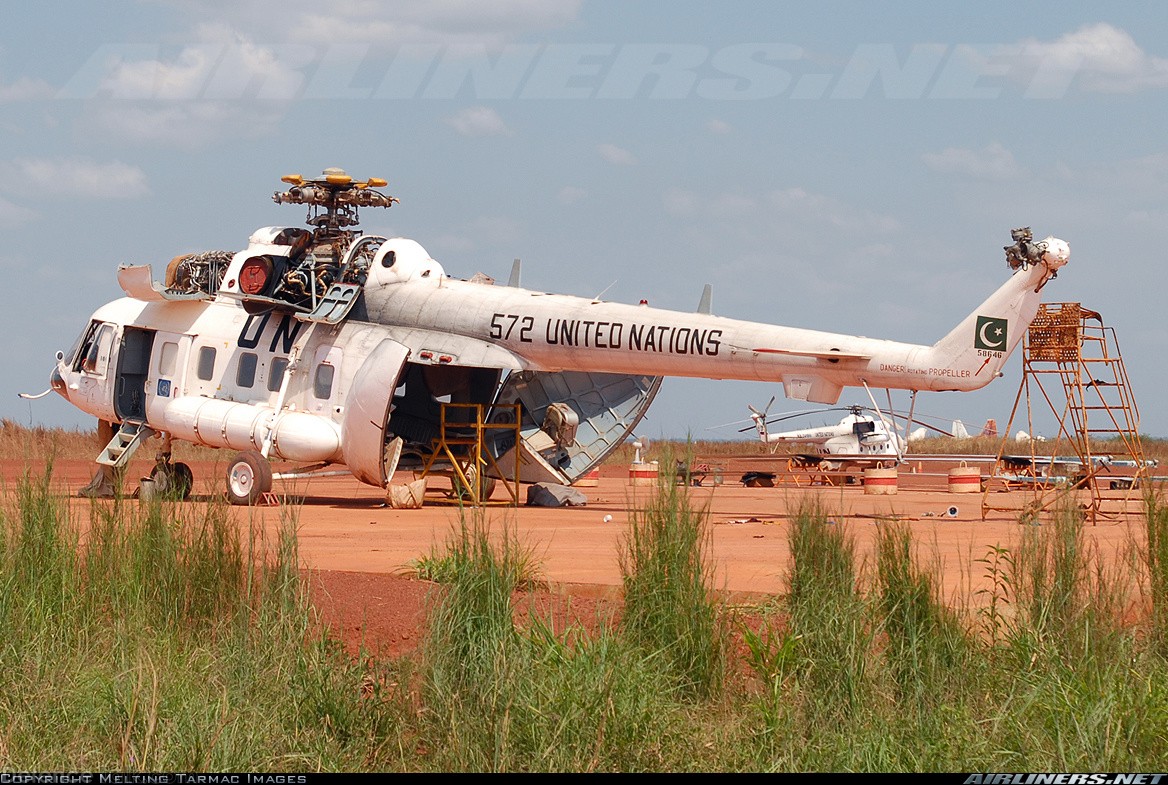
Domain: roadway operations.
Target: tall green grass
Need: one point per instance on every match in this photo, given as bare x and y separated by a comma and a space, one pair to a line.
863, 667
161, 636
1154, 559
164, 637
669, 605
828, 614
497, 698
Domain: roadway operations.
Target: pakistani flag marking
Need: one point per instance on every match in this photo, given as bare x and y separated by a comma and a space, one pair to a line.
990, 334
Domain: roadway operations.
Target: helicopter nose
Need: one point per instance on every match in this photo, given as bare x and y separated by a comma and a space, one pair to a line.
57, 382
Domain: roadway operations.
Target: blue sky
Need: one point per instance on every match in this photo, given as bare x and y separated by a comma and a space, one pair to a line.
845, 166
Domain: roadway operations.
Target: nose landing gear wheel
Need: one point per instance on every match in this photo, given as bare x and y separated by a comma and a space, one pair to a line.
249, 477
174, 480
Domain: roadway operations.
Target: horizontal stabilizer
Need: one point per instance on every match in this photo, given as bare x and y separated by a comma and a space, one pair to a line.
831, 356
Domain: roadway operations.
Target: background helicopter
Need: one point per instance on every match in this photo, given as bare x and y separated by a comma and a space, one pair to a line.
864, 436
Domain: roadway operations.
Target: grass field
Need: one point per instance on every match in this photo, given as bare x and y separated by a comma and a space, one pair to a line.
175, 637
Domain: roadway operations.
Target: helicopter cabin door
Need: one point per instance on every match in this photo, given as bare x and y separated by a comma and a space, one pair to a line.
367, 410
133, 368
166, 379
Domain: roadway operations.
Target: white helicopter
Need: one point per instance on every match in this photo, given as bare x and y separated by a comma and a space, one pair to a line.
325, 347
856, 436
859, 439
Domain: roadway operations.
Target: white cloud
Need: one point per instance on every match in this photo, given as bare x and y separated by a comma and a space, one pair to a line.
804, 208
214, 88
453, 23
616, 155
451, 244
570, 194
681, 202
1154, 166
496, 230
183, 77
187, 124
482, 232
731, 204
1128, 181
25, 89
12, 215
994, 162
719, 127
78, 177
221, 63
787, 218
1147, 219
777, 236
479, 121
1098, 58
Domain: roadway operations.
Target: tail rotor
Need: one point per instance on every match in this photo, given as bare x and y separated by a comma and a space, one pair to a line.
760, 419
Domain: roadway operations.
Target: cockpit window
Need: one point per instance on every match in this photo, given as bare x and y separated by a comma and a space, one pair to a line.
97, 353
72, 353
81, 347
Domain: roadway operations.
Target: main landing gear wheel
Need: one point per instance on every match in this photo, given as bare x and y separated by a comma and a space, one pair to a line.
465, 491
174, 480
249, 477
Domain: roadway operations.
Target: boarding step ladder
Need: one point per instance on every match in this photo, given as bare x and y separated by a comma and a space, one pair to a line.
127, 439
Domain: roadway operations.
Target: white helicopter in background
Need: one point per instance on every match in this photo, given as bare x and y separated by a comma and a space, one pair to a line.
330, 349
859, 439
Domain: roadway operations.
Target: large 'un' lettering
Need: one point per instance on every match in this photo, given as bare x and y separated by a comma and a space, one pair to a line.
284, 335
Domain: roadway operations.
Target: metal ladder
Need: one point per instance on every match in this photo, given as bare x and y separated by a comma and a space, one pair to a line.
127, 439
1069, 345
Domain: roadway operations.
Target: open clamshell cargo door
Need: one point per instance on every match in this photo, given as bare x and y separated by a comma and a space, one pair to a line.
367, 414
572, 420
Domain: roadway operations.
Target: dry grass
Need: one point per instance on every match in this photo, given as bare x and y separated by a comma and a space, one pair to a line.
39, 443
980, 445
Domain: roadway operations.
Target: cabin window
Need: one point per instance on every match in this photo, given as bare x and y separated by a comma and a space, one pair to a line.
276, 375
389, 258
322, 383
206, 366
245, 373
168, 359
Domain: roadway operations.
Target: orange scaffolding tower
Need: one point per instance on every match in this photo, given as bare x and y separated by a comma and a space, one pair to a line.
1068, 348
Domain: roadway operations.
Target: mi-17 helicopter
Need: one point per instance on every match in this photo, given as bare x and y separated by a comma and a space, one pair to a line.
865, 437
324, 347
858, 436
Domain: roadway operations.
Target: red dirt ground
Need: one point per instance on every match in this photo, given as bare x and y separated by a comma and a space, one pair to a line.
358, 553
